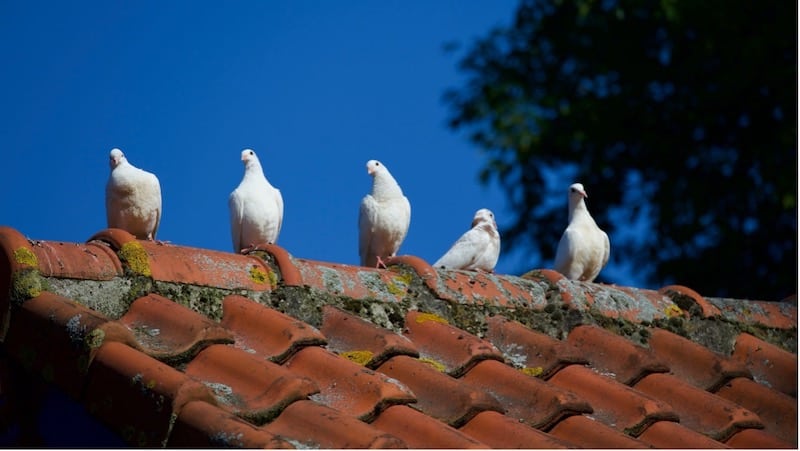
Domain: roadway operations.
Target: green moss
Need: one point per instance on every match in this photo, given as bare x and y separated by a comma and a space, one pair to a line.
438, 366
533, 371
359, 357
136, 258
26, 284
24, 256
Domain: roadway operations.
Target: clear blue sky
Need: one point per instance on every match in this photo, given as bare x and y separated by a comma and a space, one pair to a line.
316, 88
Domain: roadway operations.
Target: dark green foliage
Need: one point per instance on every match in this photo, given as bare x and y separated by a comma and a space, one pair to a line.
681, 113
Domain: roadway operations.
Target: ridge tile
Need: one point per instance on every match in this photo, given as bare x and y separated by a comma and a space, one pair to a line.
768, 363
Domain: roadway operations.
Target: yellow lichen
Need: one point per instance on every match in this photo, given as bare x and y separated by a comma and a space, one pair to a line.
535, 371
425, 317
136, 257
24, 256
26, 284
257, 275
359, 357
95, 338
672, 311
434, 363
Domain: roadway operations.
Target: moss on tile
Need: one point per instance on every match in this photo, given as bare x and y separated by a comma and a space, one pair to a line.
258, 275
26, 284
426, 317
24, 256
360, 357
136, 258
532, 371
201, 299
437, 365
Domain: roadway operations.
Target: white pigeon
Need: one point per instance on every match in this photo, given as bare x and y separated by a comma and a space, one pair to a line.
133, 198
584, 247
383, 219
256, 207
477, 249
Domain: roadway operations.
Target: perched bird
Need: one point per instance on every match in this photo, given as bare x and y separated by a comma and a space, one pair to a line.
584, 248
256, 207
383, 219
133, 198
477, 248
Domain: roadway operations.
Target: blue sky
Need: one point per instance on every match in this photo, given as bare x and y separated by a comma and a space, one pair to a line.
316, 88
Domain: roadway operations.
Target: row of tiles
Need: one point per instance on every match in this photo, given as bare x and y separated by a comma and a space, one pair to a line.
261, 378
113, 253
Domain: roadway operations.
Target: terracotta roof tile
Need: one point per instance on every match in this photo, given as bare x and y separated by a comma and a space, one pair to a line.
265, 350
439, 395
668, 434
136, 395
525, 398
418, 430
169, 331
500, 431
457, 350
247, 385
265, 331
615, 404
306, 424
777, 411
347, 386
586, 432
768, 363
699, 410
610, 353
202, 425
361, 340
526, 348
757, 439
694, 363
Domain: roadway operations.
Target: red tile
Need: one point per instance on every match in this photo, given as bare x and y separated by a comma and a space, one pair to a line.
525, 398
526, 348
169, 331
202, 425
454, 348
777, 411
138, 396
615, 404
347, 386
350, 335
694, 363
277, 257
265, 331
357, 282
500, 431
614, 355
769, 364
93, 261
757, 439
306, 424
671, 435
55, 338
418, 430
438, 394
246, 384
683, 295
775, 315
698, 409
585, 432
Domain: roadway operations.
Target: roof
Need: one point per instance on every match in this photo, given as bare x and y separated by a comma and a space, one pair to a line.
176, 346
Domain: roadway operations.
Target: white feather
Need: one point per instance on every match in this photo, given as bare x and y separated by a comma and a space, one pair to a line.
133, 198
584, 248
384, 217
477, 248
256, 207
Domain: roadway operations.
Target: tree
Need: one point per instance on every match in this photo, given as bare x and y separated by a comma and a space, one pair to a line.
677, 114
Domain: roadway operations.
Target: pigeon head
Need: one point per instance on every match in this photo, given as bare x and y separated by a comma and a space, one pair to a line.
484, 215
374, 166
115, 158
249, 158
